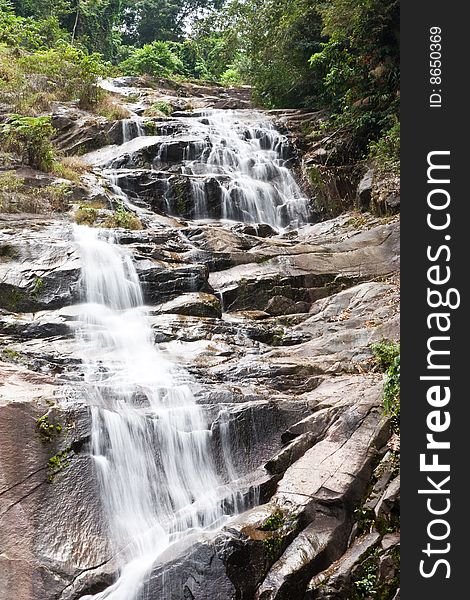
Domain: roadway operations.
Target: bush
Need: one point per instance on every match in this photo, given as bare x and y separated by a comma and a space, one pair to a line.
231, 77
71, 168
86, 215
123, 218
159, 108
30, 137
28, 33
156, 59
70, 73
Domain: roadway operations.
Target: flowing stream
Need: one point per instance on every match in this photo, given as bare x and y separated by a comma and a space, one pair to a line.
150, 440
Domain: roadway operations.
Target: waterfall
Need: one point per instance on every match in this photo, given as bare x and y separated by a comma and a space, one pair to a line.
150, 440
132, 128
249, 158
236, 165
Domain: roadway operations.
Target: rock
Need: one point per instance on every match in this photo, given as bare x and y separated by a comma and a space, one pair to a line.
45, 271
335, 581
310, 275
194, 305
364, 190
317, 545
280, 305
161, 282
390, 499
386, 194
50, 531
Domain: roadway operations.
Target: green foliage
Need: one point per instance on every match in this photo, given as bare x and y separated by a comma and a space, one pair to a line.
163, 107
29, 33
145, 21
123, 218
231, 77
70, 72
387, 355
48, 429
30, 137
274, 521
276, 39
156, 59
385, 152
86, 215
37, 287
58, 463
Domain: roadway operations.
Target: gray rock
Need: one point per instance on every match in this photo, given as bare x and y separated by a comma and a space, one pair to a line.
335, 581
364, 190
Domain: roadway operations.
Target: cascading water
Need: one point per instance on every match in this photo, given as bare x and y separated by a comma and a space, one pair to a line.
248, 157
150, 440
235, 164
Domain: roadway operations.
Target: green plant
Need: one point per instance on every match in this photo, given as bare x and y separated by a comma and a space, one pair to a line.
387, 355
48, 429
58, 463
231, 77
86, 215
10, 354
123, 218
37, 288
163, 107
71, 168
385, 152
274, 521
30, 137
156, 58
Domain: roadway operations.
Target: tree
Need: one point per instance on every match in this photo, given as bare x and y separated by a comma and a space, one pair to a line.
144, 21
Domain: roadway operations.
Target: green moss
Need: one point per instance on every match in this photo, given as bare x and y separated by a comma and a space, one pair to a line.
11, 298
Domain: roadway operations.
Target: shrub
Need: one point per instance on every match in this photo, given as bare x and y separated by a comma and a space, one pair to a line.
71, 168
30, 137
109, 108
123, 218
159, 108
156, 59
231, 77
70, 73
86, 215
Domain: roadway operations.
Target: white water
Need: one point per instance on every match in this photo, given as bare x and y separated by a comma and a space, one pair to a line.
248, 156
150, 440
239, 150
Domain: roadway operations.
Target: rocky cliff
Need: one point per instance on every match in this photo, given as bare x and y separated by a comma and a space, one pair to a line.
274, 326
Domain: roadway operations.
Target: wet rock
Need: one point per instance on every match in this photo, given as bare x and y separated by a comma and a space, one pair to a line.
51, 527
161, 283
309, 275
